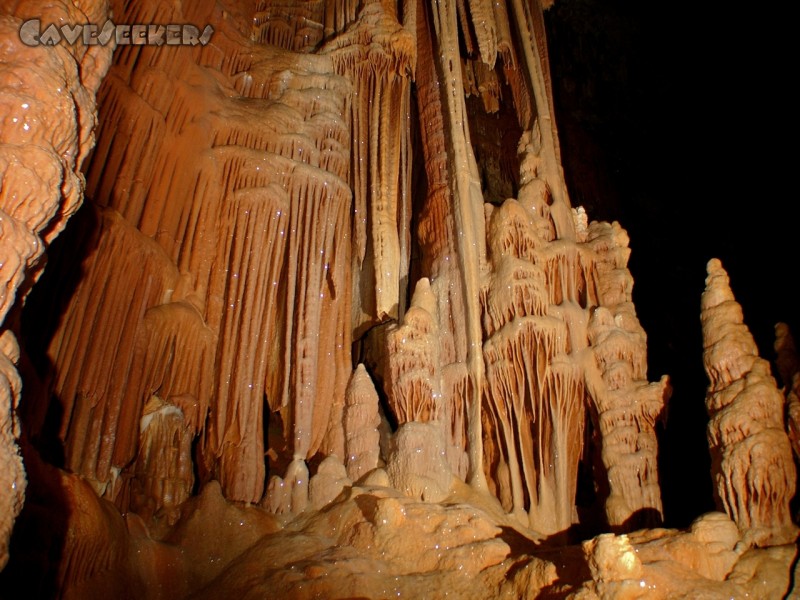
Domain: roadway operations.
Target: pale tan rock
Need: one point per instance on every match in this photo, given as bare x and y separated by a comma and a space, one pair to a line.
376, 477
409, 363
327, 483
361, 422
416, 464
385, 544
558, 333
211, 532
752, 466
378, 54
612, 559
628, 406
664, 563
162, 476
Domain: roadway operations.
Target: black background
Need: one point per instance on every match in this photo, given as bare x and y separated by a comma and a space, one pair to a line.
679, 122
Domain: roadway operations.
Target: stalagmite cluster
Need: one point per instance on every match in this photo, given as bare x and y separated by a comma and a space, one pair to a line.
327, 301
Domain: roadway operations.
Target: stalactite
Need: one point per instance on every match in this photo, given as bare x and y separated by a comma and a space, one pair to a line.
255, 253
379, 56
752, 466
535, 402
295, 26
530, 30
242, 199
96, 346
535, 392
482, 21
517, 289
455, 392
467, 218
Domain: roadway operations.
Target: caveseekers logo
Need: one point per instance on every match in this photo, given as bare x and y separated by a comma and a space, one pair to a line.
32, 34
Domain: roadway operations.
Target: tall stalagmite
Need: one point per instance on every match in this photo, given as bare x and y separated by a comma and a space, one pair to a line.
752, 465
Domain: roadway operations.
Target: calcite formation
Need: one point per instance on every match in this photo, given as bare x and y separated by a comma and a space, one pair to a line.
328, 325
752, 464
47, 98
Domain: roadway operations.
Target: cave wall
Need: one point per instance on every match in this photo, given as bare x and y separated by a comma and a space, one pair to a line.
47, 97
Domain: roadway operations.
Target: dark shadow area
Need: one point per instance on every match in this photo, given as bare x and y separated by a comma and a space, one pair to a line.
40, 532
520, 544
592, 489
641, 519
41, 414
495, 137
571, 569
644, 518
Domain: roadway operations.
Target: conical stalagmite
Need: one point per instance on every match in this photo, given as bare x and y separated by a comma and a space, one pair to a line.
361, 422
752, 465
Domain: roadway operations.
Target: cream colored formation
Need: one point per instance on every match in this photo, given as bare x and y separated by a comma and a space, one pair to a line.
752, 465
301, 317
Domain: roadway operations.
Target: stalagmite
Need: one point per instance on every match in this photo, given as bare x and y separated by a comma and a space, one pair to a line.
626, 406
361, 422
561, 338
752, 466
409, 361
163, 476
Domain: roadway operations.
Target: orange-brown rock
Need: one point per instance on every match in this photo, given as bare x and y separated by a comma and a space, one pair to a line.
47, 101
12, 472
